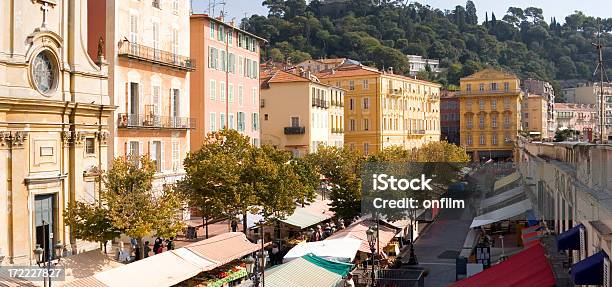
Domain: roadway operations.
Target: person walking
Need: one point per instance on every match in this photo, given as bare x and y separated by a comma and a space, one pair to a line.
170, 244
156, 245
147, 249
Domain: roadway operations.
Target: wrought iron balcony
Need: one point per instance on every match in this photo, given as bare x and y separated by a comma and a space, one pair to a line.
486, 92
337, 130
133, 121
155, 56
320, 103
295, 130
418, 132
335, 103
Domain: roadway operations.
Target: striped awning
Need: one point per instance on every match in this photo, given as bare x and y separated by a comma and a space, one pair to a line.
223, 248
503, 213
504, 181
311, 214
301, 272
502, 197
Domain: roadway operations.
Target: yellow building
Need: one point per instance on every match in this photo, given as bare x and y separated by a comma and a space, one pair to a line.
54, 124
298, 113
383, 109
534, 109
490, 109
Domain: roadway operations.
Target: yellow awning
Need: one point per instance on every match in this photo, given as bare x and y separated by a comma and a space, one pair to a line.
506, 180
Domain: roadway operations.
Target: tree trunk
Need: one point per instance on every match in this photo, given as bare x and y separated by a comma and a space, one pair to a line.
104, 243
141, 247
206, 226
244, 223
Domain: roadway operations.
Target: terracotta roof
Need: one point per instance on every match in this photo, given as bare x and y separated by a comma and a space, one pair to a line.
347, 71
284, 77
412, 79
360, 70
574, 106
332, 61
491, 73
228, 25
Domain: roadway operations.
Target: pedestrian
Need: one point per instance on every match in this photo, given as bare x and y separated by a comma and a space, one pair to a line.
274, 257
156, 245
349, 281
170, 244
137, 253
234, 225
147, 249
318, 234
160, 249
134, 243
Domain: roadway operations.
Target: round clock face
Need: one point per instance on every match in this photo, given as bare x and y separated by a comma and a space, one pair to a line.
43, 72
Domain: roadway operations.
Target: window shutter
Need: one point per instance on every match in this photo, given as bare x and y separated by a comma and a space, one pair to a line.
162, 158
171, 105
140, 148
127, 97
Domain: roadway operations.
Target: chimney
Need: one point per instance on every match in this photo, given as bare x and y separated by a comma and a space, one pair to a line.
391, 70
333, 71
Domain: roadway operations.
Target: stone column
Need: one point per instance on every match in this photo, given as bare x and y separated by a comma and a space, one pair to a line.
5, 204
21, 215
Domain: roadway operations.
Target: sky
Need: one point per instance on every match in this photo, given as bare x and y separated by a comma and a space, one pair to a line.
552, 8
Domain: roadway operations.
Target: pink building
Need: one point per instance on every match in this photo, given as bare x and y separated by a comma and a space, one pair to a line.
579, 117
225, 89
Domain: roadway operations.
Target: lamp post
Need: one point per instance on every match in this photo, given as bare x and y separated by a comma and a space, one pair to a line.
44, 258
263, 256
372, 240
413, 259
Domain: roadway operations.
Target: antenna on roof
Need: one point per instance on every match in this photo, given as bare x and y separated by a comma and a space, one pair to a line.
222, 10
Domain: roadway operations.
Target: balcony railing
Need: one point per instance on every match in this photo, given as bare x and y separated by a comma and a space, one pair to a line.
417, 132
155, 122
335, 103
320, 103
156, 56
295, 130
337, 130
485, 92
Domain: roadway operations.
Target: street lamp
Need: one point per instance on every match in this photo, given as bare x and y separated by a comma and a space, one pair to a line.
372, 240
49, 261
413, 259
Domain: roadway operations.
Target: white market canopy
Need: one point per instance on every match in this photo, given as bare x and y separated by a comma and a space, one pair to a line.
506, 180
165, 269
340, 250
172, 267
497, 199
502, 213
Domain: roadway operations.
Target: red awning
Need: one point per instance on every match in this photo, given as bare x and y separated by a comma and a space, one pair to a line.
527, 268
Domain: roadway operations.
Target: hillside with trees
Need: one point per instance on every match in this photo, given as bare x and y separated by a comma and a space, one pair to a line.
382, 32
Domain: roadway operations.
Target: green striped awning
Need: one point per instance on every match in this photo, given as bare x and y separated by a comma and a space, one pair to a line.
307, 271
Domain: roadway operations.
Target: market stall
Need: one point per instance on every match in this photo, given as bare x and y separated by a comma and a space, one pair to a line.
339, 250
